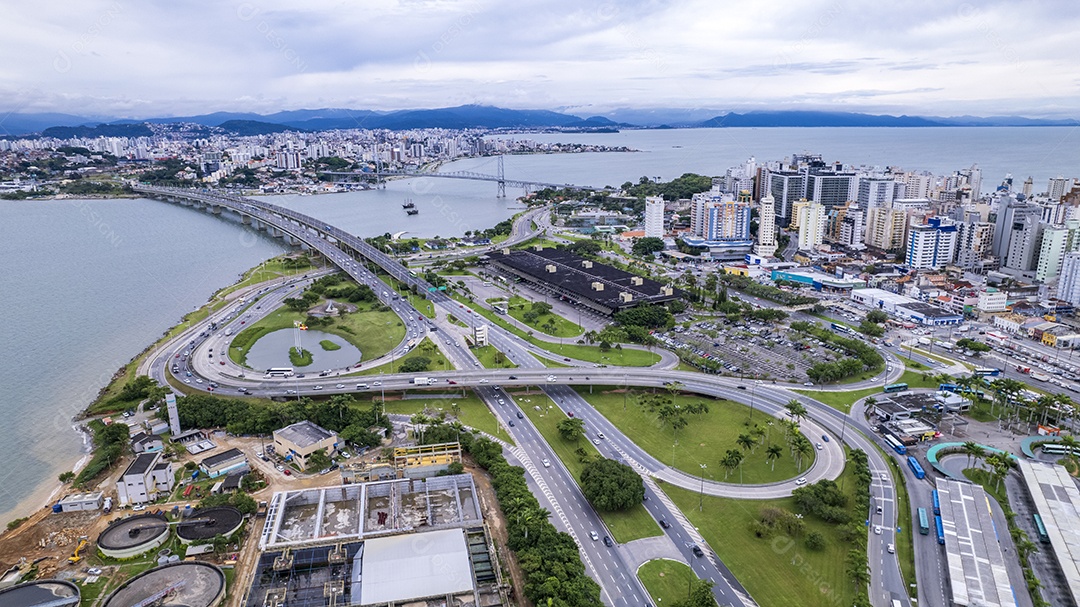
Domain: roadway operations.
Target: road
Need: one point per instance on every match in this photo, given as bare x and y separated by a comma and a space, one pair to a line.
619, 589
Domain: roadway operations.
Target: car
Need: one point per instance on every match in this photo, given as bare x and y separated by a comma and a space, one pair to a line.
698, 552
888, 368
607, 541
94, 571
324, 471
247, 392
570, 414
741, 387
484, 380
139, 508
596, 441
877, 529
512, 377
600, 435
891, 548
502, 402
340, 386
280, 468
665, 524
210, 389
376, 383
198, 381
361, 386
594, 535
290, 391
878, 509
317, 388
567, 359
288, 472
808, 383
552, 378
222, 363
451, 382
819, 446
258, 454
884, 476
511, 423
801, 481
187, 381
546, 462
825, 437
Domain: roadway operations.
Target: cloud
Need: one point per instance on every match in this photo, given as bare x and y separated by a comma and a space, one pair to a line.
124, 59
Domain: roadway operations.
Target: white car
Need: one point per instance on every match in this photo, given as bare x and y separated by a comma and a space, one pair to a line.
340, 386
546, 462
877, 529
139, 508
801, 481
376, 383
484, 381
819, 447
551, 378
891, 548
595, 536
281, 468
884, 476
317, 388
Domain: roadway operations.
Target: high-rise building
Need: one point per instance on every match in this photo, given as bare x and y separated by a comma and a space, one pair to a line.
654, 217
877, 191
829, 188
1069, 279
974, 240
931, 246
1029, 186
918, 185
786, 188
852, 227
1056, 242
766, 235
1025, 241
808, 218
1058, 187
885, 228
1009, 216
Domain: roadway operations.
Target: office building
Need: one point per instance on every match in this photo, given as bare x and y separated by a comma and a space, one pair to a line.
296, 443
786, 188
1025, 240
766, 236
1009, 215
654, 217
830, 188
144, 479
931, 246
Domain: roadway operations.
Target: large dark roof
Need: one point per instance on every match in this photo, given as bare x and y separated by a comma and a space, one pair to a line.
142, 463
205, 524
224, 456
573, 274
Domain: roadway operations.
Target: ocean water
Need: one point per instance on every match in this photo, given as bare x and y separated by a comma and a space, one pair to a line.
86, 285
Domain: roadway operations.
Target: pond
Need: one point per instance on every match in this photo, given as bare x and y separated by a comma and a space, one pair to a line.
272, 350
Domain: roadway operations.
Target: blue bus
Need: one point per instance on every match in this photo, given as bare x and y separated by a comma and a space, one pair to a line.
896, 387
986, 371
948, 388
937, 502
924, 524
1041, 529
940, 530
839, 328
895, 444
916, 467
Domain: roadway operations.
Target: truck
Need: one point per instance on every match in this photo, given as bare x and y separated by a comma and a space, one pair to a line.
1023, 369
107, 508
423, 381
948, 345
1040, 376
924, 341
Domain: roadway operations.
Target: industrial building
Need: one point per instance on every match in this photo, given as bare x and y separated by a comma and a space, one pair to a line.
42, 593
144, 478
207, 523
591, 284
977, 572
128, 537
225, 462
1057, 502
412, 542
80, 502
297, 442
905, 307
188, 584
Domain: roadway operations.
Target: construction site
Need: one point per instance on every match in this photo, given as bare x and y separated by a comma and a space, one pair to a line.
418, 542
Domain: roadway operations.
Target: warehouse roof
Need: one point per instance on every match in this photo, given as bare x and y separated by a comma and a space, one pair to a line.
303, 434
224, 456
415, 566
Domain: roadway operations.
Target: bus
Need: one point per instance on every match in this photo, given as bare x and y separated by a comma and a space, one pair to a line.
896, 387
924, 523
948, 388
1040, 529
936, 501
895, 444
839, 328
986, 371
1055, 449
916, 467
940, 530
278, 372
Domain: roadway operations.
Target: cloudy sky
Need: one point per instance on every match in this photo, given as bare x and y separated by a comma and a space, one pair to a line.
139, 58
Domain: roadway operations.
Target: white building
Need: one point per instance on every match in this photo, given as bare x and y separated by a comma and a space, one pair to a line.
809, 218
1056, 242
766, 235
1059, 186
1069, 279
654, 217
992, 300
144, 479
931, 246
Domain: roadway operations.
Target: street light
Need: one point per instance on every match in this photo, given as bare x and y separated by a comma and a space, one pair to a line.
701, 492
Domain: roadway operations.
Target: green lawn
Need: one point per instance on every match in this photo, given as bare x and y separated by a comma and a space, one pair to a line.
269, 270
300, 358
905, 549
518, 306
329, 346
438, 361
625, 526
779, 571
667, 581
487, 356
374, 331
550, 363
620, 357
841, 401
703, 441
470, 411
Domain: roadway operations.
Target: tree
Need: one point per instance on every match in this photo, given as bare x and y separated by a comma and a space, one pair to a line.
66, 477
415, 364
972, 450
877, 316
873, 330
701, 595
610, 485
647, 246
318, 460
571, 428
732, 460
541, 307
773, 453
815, 541
746, 442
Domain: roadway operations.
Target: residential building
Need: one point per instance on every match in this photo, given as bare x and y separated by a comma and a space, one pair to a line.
885, 228
1025, 240
144, 479
852, 227
1029, 186
1009, 215
1056, 242
1069, 279
877, 191
786, 188
1058, 187
931, 246
809, 219
830, 188
654, 217
297, 442
974, 242
766, 236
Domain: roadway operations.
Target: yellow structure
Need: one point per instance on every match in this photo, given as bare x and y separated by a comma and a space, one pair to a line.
422, 456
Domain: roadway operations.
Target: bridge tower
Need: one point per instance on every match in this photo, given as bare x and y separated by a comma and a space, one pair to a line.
502, 179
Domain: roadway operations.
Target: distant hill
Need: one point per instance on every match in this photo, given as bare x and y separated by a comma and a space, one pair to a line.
101, 130
254, 127
812, 119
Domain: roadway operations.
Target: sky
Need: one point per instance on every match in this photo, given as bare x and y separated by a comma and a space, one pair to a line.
138, 59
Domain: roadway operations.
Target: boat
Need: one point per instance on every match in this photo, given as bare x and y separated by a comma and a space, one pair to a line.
411, 211
408, 204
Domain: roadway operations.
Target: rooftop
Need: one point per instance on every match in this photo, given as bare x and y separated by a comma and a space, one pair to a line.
142, 463
1057, 501
303, 434
977, 573
405, 567
224, 456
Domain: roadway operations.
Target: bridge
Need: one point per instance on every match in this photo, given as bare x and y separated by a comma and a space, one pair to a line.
499, 179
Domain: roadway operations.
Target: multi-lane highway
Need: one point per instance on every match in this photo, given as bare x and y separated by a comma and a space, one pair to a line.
553, 485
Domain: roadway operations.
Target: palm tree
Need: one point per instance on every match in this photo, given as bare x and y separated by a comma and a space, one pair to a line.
969, 450
759, 433
731, 460
746, 442
803, 448
1071, 445
529, 516
773, 453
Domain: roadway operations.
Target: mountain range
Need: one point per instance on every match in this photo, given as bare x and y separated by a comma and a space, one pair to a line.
481, 116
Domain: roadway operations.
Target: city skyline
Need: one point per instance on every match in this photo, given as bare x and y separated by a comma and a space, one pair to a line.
111, 59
